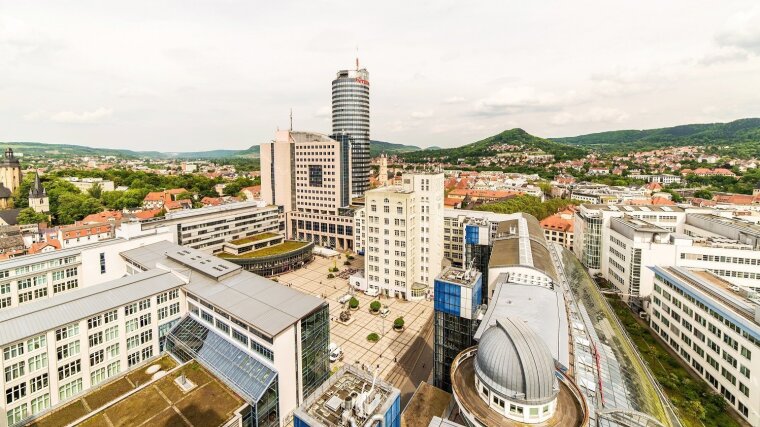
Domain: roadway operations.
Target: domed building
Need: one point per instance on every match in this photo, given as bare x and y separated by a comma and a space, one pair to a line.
510, 379
514, 372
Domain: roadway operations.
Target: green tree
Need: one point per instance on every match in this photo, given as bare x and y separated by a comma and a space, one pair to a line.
95, 191
703, 194
29, 216
73, 207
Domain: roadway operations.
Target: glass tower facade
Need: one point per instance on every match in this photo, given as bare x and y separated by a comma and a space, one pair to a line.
350, 116
315, 341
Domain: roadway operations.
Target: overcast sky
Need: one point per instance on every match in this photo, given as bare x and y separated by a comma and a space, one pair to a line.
199, 75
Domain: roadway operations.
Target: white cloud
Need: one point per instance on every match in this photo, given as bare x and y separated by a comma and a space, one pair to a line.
521, 99
69, 116
421, 114
742, 31
723, 55
323, 112
592, 115
454, 100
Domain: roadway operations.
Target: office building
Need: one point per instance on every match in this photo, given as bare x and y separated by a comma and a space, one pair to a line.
457, 316
350, 117
351, 397
267, 342
308, 175
714, 329
404, 243
209, 228
86, 184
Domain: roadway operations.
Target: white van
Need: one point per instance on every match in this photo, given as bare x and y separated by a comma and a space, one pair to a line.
372, 292
344, 299
336, 352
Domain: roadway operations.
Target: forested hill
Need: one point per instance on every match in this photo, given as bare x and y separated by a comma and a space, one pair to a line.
742, 135
490, 147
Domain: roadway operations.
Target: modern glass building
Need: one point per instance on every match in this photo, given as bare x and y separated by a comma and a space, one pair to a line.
458, 296
350, 116
315, 360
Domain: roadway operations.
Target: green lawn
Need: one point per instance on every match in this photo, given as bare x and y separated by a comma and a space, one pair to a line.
255, 238
286, 246
697, 404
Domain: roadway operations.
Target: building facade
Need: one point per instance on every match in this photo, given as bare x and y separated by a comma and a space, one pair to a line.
714, 330
404, 245
309, 176
350, 117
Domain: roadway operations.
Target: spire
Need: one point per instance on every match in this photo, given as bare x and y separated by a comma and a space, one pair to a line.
37, 189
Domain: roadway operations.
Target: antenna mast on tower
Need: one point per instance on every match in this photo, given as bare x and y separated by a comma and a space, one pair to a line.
291, 119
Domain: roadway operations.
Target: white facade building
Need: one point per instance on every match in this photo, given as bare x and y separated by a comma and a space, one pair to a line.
714, 329
404, 242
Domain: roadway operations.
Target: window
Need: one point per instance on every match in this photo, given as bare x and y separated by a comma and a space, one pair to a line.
97, 376
746, 353
133, 342
163, 312
174, 309
113, 368
207, 317
147, 352
222, 326
131, 325
15, 393
13, 351
240, 337
69, 369
36, 343
96, 339
130, 309
68, 350
144, 304
111, 316
67, 332
112, 351
17, 414
146, 336
38, 362
97, 357
145, 320
133, 359
111, 333
94, 322
14, 371
40, 403
38, 383
162, 298
67, 390
102, 263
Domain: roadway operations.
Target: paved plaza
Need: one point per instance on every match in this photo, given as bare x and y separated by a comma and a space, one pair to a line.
396, 353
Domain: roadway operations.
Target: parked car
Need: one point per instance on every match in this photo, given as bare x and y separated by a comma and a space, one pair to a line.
384, 311
373, 292
344, 299
336, 353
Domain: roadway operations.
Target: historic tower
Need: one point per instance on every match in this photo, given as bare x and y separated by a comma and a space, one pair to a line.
38, 198
10, 177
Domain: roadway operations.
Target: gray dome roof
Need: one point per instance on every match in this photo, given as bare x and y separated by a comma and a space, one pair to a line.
516, 363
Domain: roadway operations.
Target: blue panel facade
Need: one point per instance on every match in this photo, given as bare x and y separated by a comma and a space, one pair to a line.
471, 234
448, 297
477, 293
393, 414
297, 422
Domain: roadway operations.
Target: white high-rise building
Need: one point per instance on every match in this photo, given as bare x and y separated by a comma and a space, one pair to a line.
403, 235
309, 176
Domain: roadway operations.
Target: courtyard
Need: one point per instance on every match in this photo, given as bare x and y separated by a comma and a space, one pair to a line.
397, 354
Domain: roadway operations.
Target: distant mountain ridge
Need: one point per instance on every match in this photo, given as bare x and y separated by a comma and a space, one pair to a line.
486, 148
64, 150
742, 132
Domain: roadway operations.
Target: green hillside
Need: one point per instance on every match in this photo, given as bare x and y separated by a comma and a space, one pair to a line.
378, 147
69, 150
743, 136
485, 148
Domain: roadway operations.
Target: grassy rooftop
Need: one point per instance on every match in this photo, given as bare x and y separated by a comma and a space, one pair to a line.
286, 246
160, 404
256, 238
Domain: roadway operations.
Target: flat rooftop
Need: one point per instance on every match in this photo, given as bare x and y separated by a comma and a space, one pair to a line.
280, 248
459, 276
541, 308
427, 404
521, 241
267, 306
638, 224
161, 403
254, 238
634, 208
326, 405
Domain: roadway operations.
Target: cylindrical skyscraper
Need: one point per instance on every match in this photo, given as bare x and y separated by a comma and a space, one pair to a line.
350, 115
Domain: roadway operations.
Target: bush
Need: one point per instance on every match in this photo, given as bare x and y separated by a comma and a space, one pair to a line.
373, 337
398, 323
347, 263
333, 269
374, 306
349, 257
353, 303
330, 276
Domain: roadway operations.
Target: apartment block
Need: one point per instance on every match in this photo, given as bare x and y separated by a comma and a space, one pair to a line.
714, 329
404, 243
209, 228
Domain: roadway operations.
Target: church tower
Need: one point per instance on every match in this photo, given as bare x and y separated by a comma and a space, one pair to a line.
10, 177
38, 198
